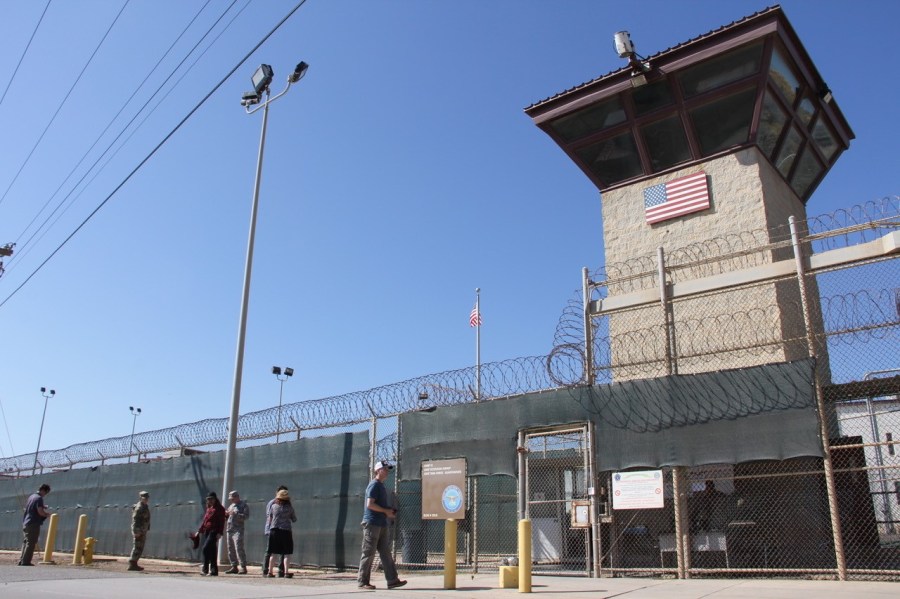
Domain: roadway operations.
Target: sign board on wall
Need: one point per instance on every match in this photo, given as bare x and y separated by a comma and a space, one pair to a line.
637, 490
444, 489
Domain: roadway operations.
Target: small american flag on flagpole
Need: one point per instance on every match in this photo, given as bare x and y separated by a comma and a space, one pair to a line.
475, 317
676, 198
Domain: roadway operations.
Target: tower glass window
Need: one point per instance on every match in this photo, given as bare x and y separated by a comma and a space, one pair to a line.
824, 139
666, 143
805, 111
785, 159
716, 72
783, 77
613, 159
771, 124
808, 170
725, 122
590, 120
648, 98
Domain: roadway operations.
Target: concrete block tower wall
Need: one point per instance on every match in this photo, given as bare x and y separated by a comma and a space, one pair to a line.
766, 320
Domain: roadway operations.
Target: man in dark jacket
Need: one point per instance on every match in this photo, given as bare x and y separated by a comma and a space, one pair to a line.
34, 516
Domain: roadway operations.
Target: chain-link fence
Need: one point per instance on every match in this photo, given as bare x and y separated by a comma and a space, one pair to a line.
825, 288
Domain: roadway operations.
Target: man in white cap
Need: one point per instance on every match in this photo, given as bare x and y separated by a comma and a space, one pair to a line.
140, 525
238, 511
376, 535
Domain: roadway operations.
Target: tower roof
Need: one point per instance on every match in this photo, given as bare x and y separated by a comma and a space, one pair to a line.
747, 83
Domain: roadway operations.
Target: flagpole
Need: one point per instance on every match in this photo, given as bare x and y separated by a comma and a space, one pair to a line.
478, 345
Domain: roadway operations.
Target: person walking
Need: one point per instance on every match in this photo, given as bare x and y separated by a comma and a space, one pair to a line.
376, 535
280, 515
140, 525
211, 529
238, 511
32, 519
265, 563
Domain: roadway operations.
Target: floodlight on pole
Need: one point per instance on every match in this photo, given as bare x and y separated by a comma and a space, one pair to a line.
41, 432
261, 80
282, 376
135, 412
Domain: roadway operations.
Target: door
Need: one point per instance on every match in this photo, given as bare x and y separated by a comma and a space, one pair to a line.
557, 475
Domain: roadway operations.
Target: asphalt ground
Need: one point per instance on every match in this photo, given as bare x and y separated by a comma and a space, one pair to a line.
107, 577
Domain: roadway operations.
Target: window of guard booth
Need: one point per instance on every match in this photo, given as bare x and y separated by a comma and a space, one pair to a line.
808, 170
771, 124
825, 140
806, 110
666, 143
714, 73
613, 159
783, 77
590, 120
724, 122
648, 98
785, 159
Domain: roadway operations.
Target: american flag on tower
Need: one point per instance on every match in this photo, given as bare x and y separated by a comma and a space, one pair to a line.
475, 317
676, 198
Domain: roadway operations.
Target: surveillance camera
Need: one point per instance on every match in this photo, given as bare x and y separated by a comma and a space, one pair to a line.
623, 44
249, 98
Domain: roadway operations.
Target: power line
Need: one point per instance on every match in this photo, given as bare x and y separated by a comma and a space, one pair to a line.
25, 51
59, 108
22, 252
156, 149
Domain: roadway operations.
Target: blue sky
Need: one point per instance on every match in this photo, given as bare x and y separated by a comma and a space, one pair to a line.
400, 174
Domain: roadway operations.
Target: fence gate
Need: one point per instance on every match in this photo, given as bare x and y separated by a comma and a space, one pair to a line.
557, 475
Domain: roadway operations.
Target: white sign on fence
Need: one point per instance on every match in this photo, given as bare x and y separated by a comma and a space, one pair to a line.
637, 490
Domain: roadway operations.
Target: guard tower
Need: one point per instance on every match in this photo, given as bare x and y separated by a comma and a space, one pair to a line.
727, 133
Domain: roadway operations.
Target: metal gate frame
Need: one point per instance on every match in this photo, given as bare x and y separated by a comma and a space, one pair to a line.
585, 441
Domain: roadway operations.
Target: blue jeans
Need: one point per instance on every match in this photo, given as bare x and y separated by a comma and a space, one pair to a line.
376, 538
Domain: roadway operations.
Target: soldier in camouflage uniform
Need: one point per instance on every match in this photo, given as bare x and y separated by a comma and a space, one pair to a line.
140, 524
238, 511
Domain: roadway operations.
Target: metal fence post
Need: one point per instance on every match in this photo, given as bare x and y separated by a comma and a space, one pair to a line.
682, 529
588, 328
827, 464
474, 527
679, 473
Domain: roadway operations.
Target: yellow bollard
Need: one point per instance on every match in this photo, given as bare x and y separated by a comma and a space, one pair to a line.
450, 554
89, 550
51, 539
525, 556
509, 577
79, 539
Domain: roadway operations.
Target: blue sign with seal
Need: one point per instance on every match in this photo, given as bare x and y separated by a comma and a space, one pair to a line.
451, 499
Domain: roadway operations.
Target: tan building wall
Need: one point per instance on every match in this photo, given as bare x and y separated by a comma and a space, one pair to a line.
750, 206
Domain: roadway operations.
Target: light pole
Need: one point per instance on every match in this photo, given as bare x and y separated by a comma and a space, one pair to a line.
261, 80
41, 433
135, 412
288, 372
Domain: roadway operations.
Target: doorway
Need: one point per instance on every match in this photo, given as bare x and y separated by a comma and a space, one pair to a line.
557, 482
